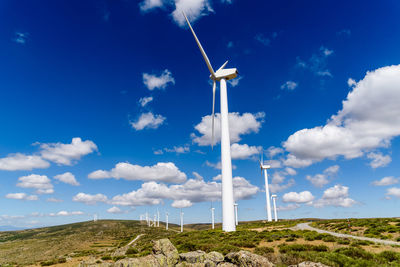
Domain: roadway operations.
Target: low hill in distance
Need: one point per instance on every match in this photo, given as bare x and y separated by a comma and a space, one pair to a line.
109, 240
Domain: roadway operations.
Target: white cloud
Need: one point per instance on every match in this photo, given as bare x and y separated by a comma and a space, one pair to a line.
288, 207
289, 85
67, 154
114, 210
162, 171
275, 188
393, 191
273, 151
158, 82
265, 40
197, 176
356, 128
178, 149
158, 152
67, 178
22, 196
194, 9
235, 82
317, 62
351, 82
148, 121
193, 190
53, 199
22, 162
319, 180
273, 163
238, 125
389, 180
302, 197
290, 171
66, 213
148, 5
183, 203
41, 183
244, 151
89, 199
378, 160
21, 37
335, 196
145, 100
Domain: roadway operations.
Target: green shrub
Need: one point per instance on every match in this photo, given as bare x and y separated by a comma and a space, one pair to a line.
389, 256
132, 250
105, 258
263, 251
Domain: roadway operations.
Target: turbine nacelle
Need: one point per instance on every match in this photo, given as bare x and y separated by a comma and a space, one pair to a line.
226, 74
274, 196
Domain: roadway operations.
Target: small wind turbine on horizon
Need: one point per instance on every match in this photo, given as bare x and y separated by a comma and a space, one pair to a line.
222, 75
166, 221
273, 200
181, 213
236, 214
212, 216
265, 168
158, 218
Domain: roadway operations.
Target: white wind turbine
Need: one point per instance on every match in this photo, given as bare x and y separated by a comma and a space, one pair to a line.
166, 220
265, 168
212, 216
222, 75
181, 221
158, 218
236, 214
273, 200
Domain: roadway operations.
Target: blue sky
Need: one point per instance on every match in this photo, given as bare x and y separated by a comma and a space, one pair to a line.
106, 108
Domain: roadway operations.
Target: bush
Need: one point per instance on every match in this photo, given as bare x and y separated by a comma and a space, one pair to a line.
389, 256
105, 258
132, 251
343, 241
263, 251
355, 253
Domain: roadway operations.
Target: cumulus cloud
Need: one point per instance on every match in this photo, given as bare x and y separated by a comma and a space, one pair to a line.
178, 149
66, 213
291, 206
67, 178
319, 180
289, 85
194, 10
53, 199
393, 191
22, 162
114, 210
278, 187
148, 121
152, 81
244, 151
235, 82
90, 199
22, 196
378, 160
264, 39
21, 37
41, 183
356, 128
238, 125
385, 181
302, 197
145, 100
335, 196
193, 190
162, 171
148, 5
67, 154
317, 62
183, 203
217, 165
273, 151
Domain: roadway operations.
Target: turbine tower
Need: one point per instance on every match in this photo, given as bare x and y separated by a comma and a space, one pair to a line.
212, 216
236, 214
222, 75
166, 221
273, 200
158, 218
265, 168
181, 221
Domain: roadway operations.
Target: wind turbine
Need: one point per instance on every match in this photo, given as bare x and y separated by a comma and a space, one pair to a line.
265, 168
158, 218
181, 221
273, 200
222, 75
95, 217
147, 219
236, 214
155, 220
166, 220
212, 216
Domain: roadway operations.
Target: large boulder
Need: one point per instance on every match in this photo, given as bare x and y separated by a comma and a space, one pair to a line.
215, 257
247, 259
147, 261
193, 257
166, 248
309, 264
226, 264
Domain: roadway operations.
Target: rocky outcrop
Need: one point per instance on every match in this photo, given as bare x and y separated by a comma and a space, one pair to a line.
309, 264
166, 255
245, 258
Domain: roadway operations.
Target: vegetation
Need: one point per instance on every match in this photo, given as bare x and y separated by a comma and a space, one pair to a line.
281, 245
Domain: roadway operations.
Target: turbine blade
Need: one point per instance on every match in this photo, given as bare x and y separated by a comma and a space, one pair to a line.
200, 47
223, 65
212, 116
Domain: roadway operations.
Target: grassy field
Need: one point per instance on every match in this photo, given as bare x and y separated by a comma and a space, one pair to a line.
66, 245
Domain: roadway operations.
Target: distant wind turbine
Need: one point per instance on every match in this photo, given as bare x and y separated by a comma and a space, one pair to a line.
236, 214
273, 200
265, 168
166, 220
158, 218
222, 75
181, 221
212, 216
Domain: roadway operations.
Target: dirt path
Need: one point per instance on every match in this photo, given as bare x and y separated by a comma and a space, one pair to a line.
134, 240
306, 226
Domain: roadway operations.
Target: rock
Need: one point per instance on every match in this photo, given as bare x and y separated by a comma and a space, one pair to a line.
226, 264
193, 256
185, 264
214, 256
209, 263
309, 264
147, 261
119, 252
166, 248
103, 264
247, 259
